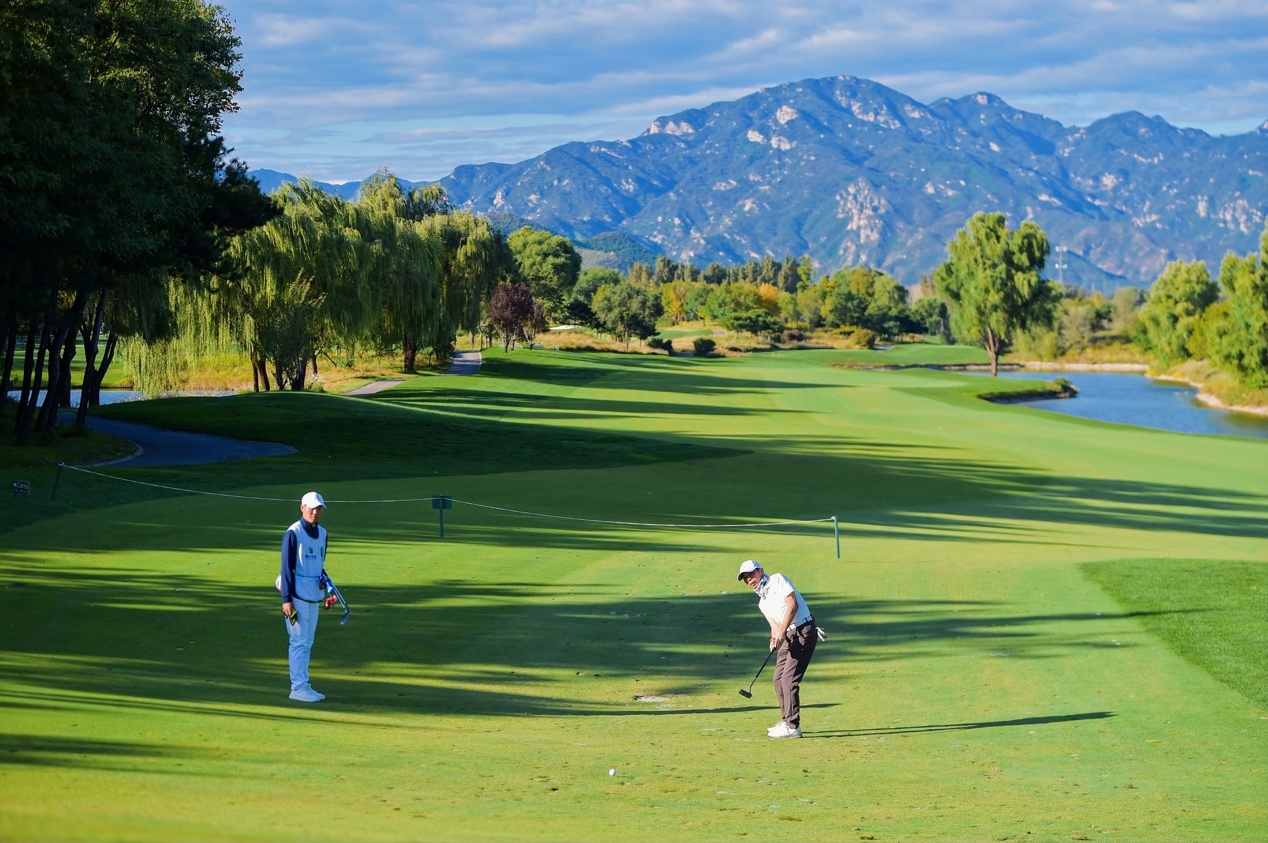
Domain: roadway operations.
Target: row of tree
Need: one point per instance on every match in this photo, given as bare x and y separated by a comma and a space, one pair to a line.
1190, 316
115, 185
390, 270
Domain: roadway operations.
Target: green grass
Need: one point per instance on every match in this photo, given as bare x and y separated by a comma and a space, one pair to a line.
1212, 612
975, 684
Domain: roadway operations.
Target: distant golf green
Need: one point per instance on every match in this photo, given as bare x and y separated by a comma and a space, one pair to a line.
1036, 629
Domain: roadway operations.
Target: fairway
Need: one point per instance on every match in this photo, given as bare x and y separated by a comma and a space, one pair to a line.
1002, 663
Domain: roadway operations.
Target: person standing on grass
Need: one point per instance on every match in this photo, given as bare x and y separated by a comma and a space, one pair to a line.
302, 583
793, 632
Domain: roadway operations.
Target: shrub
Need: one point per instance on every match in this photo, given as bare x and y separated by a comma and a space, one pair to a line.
863, 338
1064, 387
661, 343
792, 335
703, 346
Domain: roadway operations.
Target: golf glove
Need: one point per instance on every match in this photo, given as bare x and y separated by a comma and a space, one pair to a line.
823, 636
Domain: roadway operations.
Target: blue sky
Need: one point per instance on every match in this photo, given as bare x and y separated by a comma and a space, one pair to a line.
339, 88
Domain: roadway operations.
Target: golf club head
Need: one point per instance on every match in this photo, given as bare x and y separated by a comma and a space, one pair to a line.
746, 694
344, 619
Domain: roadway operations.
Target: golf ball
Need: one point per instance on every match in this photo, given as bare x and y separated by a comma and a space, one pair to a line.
612, 772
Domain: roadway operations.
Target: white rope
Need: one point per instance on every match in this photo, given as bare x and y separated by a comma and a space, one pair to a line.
645, 523
227, 495
732, 526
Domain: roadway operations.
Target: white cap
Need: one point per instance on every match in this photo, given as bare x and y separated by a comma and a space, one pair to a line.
312, 500
748, 567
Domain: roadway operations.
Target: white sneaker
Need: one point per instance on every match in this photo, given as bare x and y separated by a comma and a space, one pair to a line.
775, 728
306, 695
783, 730
320, 695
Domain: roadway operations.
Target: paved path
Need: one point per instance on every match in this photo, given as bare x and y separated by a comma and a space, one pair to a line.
372, 388
159, 446
465, 363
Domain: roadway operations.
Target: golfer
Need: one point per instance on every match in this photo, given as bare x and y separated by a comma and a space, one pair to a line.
792, 632
303, 586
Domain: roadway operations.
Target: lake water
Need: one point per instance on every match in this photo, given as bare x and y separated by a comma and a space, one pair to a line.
1125, 398
116, 396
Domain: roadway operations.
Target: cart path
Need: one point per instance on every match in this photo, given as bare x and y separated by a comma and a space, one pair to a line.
159, 446
465, 363
372, 388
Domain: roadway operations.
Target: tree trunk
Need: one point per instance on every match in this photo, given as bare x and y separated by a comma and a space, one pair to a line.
10, 350
68, 356
314, 362
301, 369
92, 379
262, 373
107, 357
59, 363
31, 395
410, 349
992, 348
48, 410
28, 364
255, 376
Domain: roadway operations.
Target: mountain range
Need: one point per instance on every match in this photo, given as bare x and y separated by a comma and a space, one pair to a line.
850, 171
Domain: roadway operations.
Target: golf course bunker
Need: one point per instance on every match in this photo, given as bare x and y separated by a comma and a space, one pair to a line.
159, 446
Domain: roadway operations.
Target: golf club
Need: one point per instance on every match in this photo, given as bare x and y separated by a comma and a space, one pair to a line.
347, 610
749, 693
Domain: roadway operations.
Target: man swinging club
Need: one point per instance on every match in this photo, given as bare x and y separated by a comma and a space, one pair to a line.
303, 586
793, 632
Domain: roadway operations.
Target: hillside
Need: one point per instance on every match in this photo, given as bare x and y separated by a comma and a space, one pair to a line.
850, 171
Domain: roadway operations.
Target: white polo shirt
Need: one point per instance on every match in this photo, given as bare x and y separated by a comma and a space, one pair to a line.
771, 599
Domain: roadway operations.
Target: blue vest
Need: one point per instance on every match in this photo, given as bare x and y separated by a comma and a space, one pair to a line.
310, 559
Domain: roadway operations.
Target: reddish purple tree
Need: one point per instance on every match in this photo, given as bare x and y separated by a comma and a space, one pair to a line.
510, 312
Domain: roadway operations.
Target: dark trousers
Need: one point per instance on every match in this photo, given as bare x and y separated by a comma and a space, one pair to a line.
790, 666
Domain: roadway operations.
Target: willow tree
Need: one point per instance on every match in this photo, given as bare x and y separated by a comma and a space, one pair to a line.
477, 258
407, 263
300, 284
991, 282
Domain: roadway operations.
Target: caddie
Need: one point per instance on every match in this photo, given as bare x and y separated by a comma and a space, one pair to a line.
793, 632
302, 582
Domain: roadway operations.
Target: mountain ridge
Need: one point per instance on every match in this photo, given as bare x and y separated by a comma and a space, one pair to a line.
850, 171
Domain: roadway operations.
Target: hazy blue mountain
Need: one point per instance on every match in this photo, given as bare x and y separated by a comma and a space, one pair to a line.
850, 171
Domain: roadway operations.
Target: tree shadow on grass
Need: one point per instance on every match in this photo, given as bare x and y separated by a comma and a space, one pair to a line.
885, 731
45, 751
133, 639
659, 374
530, 407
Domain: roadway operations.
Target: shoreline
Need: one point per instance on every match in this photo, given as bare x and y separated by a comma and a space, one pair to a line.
1211, 401
1040, 366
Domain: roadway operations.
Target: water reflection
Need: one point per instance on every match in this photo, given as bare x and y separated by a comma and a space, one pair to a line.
1125, 398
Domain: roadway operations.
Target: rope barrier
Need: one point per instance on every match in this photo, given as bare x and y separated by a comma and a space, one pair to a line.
500, 509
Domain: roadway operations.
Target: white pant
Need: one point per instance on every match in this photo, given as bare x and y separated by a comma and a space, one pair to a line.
302, 635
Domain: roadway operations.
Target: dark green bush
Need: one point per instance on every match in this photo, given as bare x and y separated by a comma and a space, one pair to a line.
703, 346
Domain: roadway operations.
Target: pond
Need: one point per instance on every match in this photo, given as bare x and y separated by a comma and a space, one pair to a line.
1135, 399
118, 396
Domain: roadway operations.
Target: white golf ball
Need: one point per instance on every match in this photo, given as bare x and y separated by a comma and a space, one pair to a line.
612, 772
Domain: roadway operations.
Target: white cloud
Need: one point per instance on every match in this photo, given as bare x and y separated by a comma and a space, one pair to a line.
350, 81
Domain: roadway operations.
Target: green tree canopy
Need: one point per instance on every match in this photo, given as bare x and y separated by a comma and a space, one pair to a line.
549, 264
1242, 340
1175, 305
992, 284
627, 310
